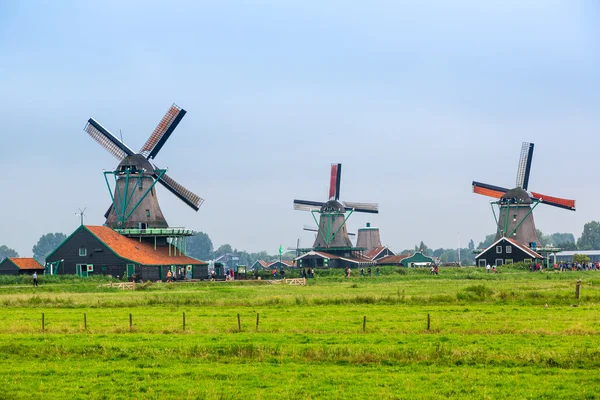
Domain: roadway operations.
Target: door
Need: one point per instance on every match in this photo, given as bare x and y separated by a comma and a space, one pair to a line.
130, 270
81, 270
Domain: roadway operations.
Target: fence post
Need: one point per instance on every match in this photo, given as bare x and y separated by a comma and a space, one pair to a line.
257, 318
130, 322
577, 288
43, 323
239, 323
184, 321
428, 322
84, 321
364, 323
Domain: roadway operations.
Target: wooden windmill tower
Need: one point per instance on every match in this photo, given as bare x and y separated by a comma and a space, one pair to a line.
515, 206
332, 234
134, 200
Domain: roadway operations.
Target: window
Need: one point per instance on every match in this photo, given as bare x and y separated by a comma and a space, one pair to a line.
527, 260
498, 249
147, 213
508, 261
481, 263
82, 251
499, 261
508, 249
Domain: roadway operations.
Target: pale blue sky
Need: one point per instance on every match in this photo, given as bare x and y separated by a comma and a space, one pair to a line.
416, 100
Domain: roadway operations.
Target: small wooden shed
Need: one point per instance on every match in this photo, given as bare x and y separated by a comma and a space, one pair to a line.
20, 266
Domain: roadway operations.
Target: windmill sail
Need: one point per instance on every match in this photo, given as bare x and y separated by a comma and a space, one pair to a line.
107, 140
524, 165
334, 182
162, 132
185, 195
555, 201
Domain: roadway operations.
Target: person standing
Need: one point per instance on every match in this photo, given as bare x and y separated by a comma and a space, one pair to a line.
377, 271
369, 271
35, 280
488, 268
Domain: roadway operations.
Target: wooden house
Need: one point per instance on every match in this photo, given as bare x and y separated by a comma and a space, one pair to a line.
506, 251
99, 250
20, 266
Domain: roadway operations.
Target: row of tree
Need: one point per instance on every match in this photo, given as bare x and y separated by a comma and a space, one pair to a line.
41, 249
200, 246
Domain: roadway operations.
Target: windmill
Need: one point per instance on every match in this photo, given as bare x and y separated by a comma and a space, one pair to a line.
333, 214
515, 206
134, 201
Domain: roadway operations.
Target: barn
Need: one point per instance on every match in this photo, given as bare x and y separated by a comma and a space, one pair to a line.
379, 252
99, 250
506, 251
20, 266
320, 259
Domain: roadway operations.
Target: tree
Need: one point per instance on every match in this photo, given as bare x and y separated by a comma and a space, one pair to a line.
487, 242
199, 246
46, 245
6, 252
223, 249
590, 238
556, 238
423, 247
438, 252
567, 246
580, 258
471, 245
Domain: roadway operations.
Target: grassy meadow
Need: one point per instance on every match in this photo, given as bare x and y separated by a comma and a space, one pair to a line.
513, 334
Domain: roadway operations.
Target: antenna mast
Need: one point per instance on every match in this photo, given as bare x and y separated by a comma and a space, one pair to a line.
81, 214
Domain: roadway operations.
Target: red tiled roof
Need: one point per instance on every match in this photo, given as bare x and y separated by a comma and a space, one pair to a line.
138, 252
285, 262
26, 263
263, 263
395, 259
526, 249
374, 252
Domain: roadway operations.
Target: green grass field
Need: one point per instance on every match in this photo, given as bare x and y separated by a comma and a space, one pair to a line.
514, 334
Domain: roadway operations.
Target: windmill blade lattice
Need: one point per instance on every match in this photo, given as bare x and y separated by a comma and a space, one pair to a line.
162, 132
187, 196
524, 165
107, 140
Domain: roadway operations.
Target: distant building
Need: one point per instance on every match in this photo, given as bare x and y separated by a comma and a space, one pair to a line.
395, 259
417, 260
229, 261
567, 256
378, 253
20, 266
281, 264
506, 251
259, 264
320, 259
99, 250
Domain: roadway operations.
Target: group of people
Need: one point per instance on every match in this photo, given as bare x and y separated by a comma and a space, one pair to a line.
281, 273
307, 274
348, 271
489, 269
589, 266
434, 270
230, 275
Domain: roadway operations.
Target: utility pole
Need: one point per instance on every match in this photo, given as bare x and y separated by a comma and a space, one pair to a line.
458, 248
